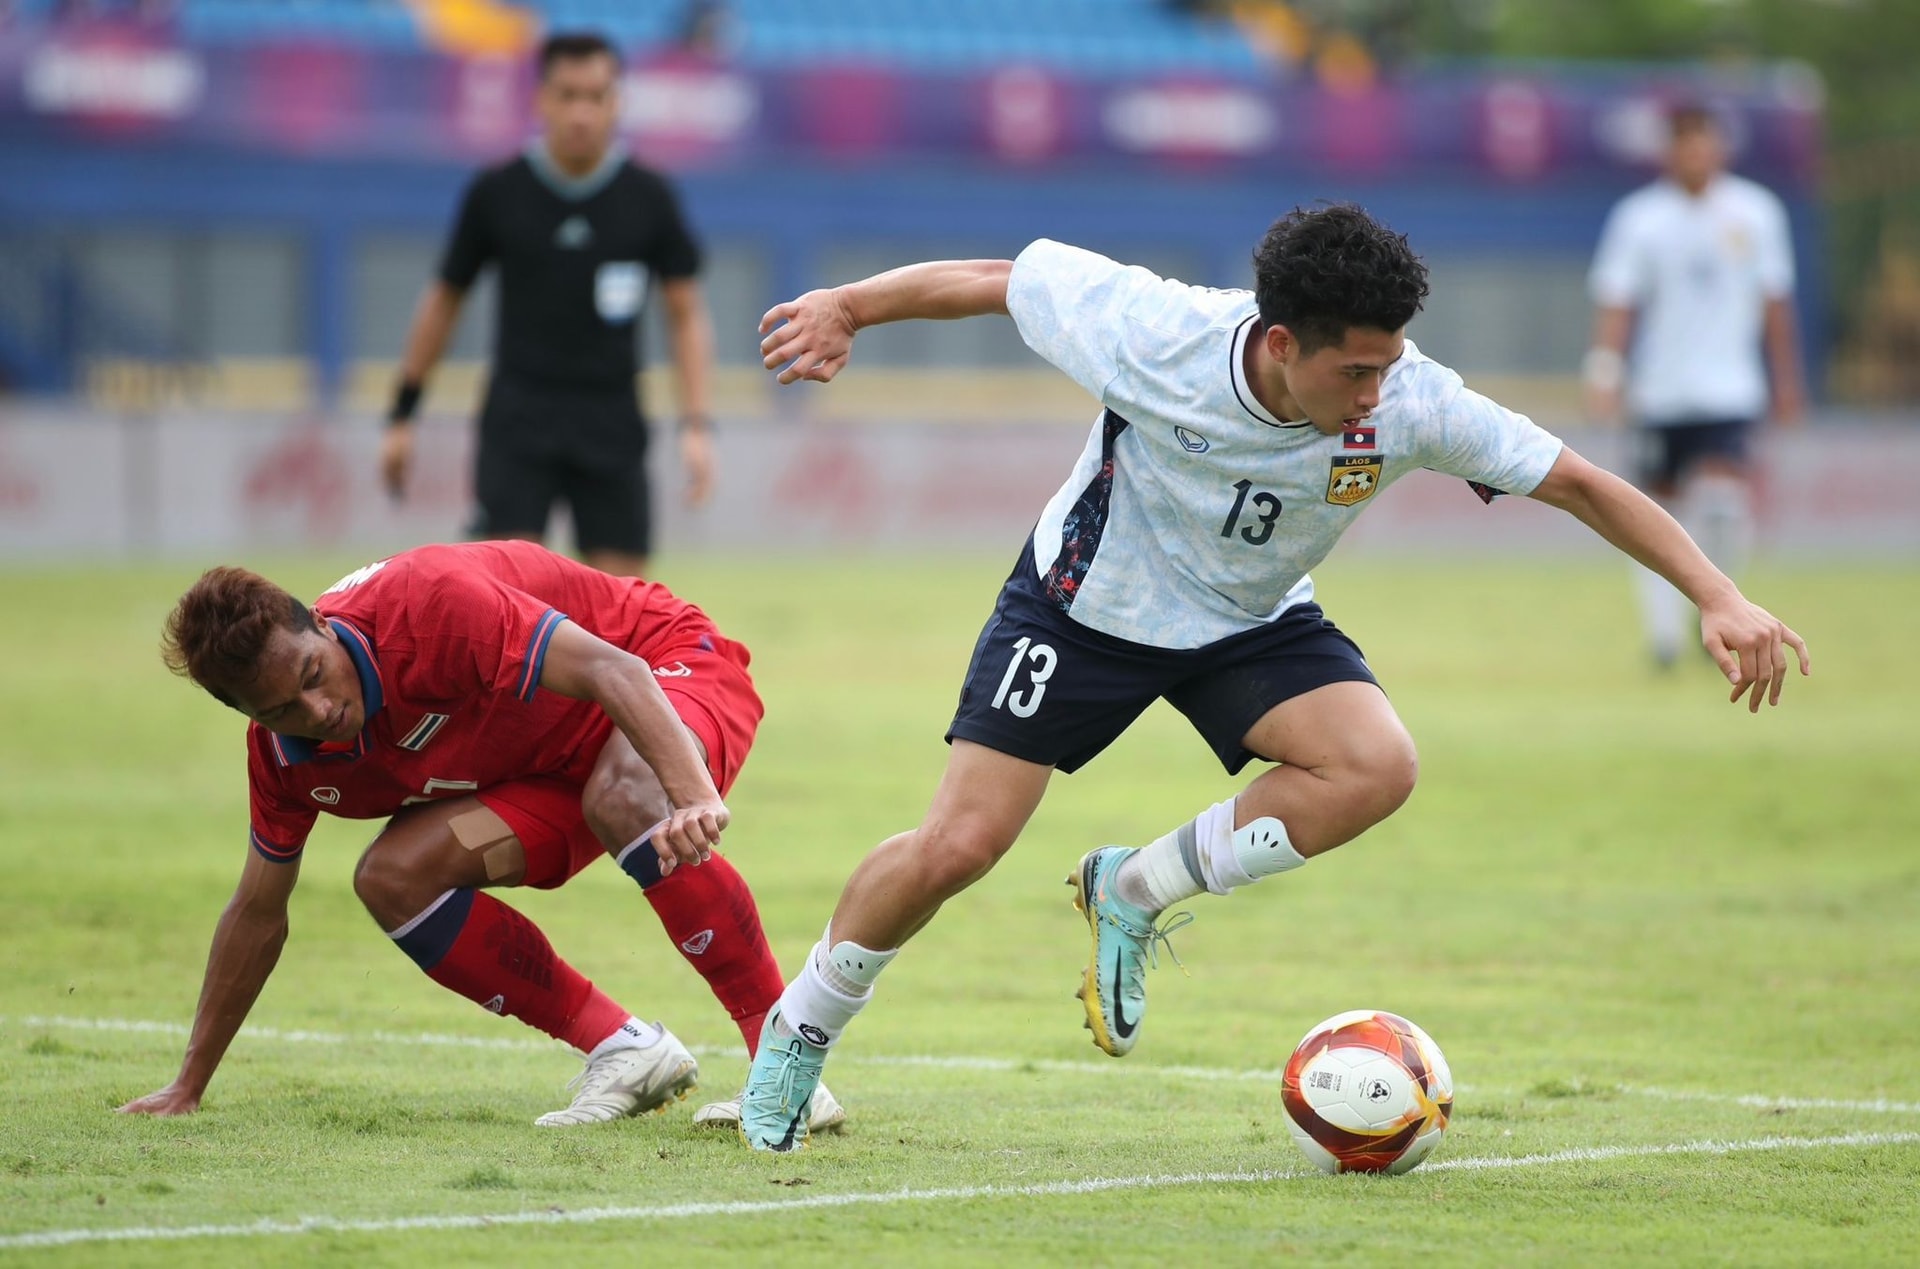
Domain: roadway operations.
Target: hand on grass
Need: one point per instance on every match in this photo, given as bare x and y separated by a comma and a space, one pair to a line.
171, 1100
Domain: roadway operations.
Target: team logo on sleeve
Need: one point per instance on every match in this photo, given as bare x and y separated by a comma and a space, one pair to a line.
1354, 478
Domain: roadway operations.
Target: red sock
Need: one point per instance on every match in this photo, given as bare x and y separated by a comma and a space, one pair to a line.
503, 963
710, 916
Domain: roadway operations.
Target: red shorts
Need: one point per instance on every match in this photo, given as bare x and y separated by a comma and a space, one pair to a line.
706, 682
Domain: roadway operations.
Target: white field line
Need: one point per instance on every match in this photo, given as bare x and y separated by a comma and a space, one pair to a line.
1761, 1101
1050, 1189
427, 1038
957, 1062
137, 1025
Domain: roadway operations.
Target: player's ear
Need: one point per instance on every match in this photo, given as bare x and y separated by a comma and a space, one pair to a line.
1279, 341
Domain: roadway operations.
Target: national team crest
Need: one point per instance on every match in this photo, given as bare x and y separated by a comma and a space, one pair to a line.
1353, 479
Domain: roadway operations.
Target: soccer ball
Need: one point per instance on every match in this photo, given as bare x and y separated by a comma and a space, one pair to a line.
1367, 1092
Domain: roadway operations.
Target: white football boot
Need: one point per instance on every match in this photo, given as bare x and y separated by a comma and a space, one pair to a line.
623, 1082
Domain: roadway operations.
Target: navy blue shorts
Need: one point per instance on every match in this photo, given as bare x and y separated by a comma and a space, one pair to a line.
1669, 452
1047, 689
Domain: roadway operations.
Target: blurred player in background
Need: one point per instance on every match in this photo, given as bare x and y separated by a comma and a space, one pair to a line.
1698, 268
518, 715
582, 235
1241, 434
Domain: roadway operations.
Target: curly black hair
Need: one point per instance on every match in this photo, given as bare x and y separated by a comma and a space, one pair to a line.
1319, 271
217, 634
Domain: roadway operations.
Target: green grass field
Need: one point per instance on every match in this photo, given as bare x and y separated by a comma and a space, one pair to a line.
1672, 952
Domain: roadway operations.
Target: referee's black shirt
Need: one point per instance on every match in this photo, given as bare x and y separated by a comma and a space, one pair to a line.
577, 259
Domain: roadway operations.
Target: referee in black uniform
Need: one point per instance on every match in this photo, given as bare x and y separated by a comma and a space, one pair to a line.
581, 236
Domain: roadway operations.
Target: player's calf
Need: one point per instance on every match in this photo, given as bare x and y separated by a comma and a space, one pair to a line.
710, 914
477, 947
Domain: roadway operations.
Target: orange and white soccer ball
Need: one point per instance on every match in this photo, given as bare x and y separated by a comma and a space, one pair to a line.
1367, 1091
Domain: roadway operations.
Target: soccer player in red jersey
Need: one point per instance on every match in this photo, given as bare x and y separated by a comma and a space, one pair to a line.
517, 715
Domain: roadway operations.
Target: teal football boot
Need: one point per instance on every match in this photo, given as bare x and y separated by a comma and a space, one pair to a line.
775, 1105
1114, 987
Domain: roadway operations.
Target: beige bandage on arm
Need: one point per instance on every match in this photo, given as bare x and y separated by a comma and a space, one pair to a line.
484, 831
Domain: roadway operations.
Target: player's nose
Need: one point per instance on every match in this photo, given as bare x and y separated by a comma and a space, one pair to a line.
320, 707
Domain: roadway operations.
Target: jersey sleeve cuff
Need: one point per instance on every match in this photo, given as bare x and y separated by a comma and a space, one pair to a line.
274, 852
536, 657
1530, 481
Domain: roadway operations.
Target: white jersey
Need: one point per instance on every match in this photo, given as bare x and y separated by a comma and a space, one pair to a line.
1194, 514
1698, 271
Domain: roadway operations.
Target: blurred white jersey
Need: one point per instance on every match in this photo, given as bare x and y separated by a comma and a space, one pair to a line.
1698, 272
1194, 514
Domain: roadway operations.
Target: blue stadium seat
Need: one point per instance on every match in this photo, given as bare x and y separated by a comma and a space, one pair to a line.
1090, 36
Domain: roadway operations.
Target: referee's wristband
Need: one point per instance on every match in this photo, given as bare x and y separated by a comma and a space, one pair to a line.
406, 402
698, 424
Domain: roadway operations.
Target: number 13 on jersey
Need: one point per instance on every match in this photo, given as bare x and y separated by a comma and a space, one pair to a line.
1042, 660
1264, 511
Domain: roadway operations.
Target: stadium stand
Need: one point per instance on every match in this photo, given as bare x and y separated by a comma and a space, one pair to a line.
1090, 37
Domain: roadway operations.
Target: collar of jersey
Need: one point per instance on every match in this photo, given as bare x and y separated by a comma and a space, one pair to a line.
292, 749
1715, 183
1237, 361
575, 189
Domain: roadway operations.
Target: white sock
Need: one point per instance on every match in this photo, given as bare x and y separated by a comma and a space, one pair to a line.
834, 985
631, 1034
1662, 612
1721, 515
1172, 868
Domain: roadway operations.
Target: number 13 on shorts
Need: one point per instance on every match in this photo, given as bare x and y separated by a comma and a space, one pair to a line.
1041, 661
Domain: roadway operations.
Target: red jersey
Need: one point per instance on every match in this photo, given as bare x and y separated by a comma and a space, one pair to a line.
448, 642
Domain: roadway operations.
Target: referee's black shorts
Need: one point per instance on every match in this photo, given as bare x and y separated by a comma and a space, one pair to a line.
539, 446
1047, 689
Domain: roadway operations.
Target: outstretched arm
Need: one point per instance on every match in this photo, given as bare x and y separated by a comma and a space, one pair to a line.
246, 946
1748, 643
588, 668
1604, 370
1783, 360
815, 332
433, 321
690, 336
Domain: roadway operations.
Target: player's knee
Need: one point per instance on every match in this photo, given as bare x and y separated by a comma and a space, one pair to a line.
620, 805
953, 854
393, 892
605, 818
1388, 773
373, 881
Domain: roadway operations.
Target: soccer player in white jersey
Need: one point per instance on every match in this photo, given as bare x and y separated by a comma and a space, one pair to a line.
1698, 268
1240, 435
